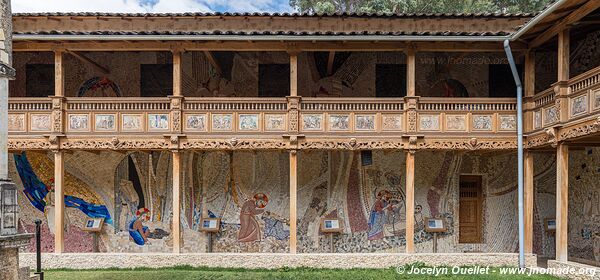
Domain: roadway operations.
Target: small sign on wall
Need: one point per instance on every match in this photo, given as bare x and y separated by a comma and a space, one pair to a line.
435, 225
210, 225
331, 225
550, 224
93, 224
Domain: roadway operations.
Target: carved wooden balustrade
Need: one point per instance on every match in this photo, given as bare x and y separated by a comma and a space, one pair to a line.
292, 122
583, 100
475, 116
567, 117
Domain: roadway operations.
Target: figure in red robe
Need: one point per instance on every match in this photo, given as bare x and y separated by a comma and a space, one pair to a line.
249, 226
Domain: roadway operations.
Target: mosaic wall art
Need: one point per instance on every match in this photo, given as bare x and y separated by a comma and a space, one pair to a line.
482, 122
275, 122
508, 122
550, 115
40, 122
312, 121
365, 122
537, 119
249, 191
391, 122
16, 122
132, 122
456, 122
158, 122
429, 122
248, 122
579, 105
195, 122
105, 122
222, 122
584, 204
79, 122
339, 122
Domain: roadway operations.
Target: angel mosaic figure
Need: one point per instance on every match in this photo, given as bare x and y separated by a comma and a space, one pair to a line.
137, 231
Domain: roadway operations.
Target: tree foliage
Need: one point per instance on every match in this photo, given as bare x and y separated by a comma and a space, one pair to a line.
418, 6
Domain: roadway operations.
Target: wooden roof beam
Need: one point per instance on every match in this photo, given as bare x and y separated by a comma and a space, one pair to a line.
573, 17
213, 62
89, 61
330, 60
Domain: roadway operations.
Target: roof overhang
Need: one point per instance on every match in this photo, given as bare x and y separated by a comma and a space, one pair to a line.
341, 38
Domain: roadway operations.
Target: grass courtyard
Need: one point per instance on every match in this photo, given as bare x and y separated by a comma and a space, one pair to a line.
285, 273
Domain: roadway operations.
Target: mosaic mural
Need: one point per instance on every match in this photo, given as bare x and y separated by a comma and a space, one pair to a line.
249, 192
584, 204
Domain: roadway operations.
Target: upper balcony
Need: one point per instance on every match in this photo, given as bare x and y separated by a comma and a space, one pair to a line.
567, 111
275, 100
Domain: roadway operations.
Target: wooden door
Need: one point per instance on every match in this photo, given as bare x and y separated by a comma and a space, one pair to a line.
470, 209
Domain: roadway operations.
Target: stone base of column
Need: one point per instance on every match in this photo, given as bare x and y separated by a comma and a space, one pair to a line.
9, 255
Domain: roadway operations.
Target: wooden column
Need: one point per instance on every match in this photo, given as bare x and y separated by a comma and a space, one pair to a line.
528, 201
293, 73
176, 202
293, 157
529, 90
59, 73
562, 201
177, 72
410, 72
410, 202
59, 202
293, 200
563, 55
563, 75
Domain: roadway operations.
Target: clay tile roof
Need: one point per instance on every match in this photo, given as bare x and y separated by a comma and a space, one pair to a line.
266, 33
255, 14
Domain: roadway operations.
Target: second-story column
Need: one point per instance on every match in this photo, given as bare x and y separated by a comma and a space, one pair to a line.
177, 97
562, 85
411, 65
411, 100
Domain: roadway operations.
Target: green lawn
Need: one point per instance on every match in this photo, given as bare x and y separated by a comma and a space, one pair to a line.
177, 273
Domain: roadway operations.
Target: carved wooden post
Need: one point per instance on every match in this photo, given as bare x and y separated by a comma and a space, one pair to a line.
529, 198
59, 202
293, 128
561, 87
411, 103
410, 201
529, 91
411, 72
562, 201
293, 200
176, 202
177, 97
59, 94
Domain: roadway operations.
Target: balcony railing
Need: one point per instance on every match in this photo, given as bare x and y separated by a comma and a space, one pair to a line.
258, 117
582, 100
472, 115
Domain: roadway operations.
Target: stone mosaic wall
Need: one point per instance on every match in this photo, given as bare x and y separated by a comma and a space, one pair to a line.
128, 184
331, 184
336, 184
584, 204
